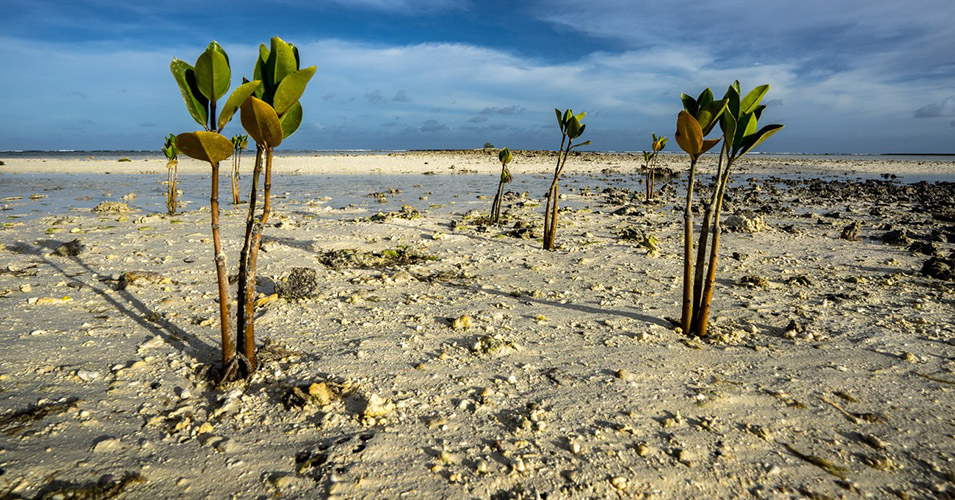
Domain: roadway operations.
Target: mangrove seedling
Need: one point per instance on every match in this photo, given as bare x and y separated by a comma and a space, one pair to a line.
651, 159
570, 129
201, 87
240, 142
506, 177
741, 134
172, 172
693, 124
270, 115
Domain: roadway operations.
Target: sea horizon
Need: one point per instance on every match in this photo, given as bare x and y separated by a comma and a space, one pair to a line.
149, 153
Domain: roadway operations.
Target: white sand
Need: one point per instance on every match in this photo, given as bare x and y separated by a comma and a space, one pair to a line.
592, 394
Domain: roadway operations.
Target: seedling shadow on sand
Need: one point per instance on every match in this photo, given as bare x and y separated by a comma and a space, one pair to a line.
131, 306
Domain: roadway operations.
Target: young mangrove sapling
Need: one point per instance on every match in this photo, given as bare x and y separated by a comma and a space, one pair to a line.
201, 87
505, 157
270, 115
240, 142
651, 159
741, 134
692, 126
172, 172
570, 129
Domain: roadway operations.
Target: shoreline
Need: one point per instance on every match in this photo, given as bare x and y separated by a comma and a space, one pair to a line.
485, 162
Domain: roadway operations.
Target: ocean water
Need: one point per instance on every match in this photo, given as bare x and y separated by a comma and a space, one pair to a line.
25, 196
157, 155
36, 195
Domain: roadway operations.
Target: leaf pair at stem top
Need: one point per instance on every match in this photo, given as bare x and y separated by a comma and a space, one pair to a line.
270, 107
738, 119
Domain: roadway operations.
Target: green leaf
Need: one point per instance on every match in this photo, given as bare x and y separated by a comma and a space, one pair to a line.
758, 111
689, 103
706, 97
749, 103
211, 147
281, 62
751, 124
560, 121
238, 97
757, 138
585, 143
689, 135
505, 156
732, 100
169, 148
291, 89
259, 74
708, 115
261, 122
745, 126
728, 126
298, 60
196, 103
214, 45
213, 74
291, 119
573, 127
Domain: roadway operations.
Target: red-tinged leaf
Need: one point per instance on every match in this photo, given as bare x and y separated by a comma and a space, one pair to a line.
205, 146
689, 135
261, 122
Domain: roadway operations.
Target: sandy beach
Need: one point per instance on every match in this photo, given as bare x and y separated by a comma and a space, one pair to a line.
410, 351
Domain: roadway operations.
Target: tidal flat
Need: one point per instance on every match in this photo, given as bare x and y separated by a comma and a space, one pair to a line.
409, 350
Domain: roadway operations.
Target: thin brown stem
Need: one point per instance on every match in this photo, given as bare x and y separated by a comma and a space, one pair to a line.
705, 229
651, 178
702, 320
550, 192
498, 198
249, 332
228, 340
550, 225
701, 258
553, 218
171, 187
687, 316
246, 286
235, 177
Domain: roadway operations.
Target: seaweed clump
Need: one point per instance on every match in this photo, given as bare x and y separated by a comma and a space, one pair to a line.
350, 258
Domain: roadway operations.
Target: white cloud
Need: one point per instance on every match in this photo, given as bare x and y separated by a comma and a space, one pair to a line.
461, 90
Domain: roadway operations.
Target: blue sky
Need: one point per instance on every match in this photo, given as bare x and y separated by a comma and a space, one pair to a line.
864, 76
